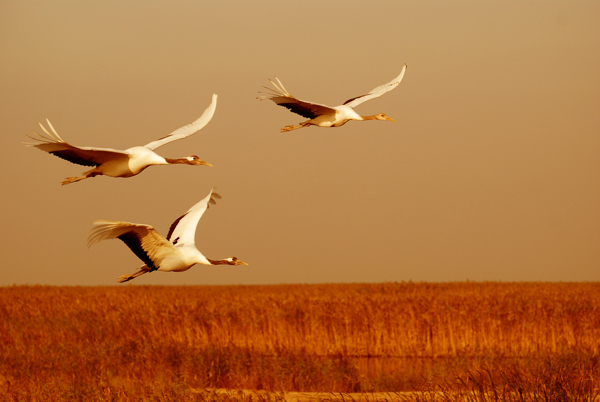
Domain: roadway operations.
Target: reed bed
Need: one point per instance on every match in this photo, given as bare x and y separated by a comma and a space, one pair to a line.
166, 343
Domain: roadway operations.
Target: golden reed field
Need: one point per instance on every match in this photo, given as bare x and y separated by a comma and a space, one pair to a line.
411, 341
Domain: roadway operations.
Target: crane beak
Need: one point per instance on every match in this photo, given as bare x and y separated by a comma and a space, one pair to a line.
390, 119
205, 163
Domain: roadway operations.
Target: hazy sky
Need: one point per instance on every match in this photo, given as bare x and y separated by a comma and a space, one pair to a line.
491, 171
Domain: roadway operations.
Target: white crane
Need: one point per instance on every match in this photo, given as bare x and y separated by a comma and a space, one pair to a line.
115, 163
176, 253
328, 116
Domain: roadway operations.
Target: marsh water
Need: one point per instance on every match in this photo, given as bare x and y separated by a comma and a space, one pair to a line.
407, 372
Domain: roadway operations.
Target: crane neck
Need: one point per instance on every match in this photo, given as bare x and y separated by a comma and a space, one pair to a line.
181, 161
219, 262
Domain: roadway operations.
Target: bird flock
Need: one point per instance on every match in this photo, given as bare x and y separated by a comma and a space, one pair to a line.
177, 251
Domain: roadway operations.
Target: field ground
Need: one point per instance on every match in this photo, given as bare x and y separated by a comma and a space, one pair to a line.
391, 341
308, 396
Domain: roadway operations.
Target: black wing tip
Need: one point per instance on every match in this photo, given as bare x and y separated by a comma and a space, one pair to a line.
133, 241
173, 226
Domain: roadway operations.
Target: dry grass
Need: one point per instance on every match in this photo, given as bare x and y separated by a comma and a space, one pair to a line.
140, 343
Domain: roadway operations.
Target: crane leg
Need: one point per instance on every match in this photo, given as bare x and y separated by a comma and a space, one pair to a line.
292, 127
125, 278
89, 173
69, 180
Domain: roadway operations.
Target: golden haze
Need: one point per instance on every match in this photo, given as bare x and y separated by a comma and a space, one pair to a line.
491, 171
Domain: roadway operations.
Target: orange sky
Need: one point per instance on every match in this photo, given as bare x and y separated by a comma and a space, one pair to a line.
491, 172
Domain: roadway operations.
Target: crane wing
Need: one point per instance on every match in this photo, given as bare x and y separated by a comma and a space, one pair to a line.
145, 242
376, 92
283, 98
188, 130
183, 230
86, 156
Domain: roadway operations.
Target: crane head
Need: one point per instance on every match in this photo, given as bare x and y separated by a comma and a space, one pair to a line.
194, 160
383, 116
233, 261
